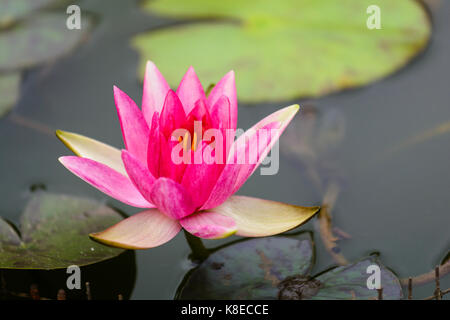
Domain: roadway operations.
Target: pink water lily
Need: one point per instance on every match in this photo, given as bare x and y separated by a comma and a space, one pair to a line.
195, 196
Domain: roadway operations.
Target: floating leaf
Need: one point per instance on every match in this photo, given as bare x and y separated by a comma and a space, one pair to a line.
9, 91
278, 267
284, 49
54, 233
12, 10
250, 269
41, 38
350, 282
99, 276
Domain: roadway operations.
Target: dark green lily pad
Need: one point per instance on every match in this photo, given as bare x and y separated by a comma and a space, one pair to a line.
54, 233
12, 10
278, 268
284, 49
41, 38
250, 269
350, 282
9, 91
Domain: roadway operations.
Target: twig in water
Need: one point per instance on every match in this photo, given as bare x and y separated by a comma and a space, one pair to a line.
443, 293
88, 291
410, 288
437, 292
380, 294
429, 276
34, 292
61, 295
325, 226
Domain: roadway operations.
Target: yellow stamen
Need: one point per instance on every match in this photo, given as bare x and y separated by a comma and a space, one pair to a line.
194, 142
185, 140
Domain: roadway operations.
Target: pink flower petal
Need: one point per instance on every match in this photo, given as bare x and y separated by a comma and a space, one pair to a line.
200, 113
134, 127
172, 115
139, 174
201, 177
209, 225
155, 91
159, 153
220, 113
167, 166
220, 118
171, 198
155, 143
106, 180
250, 150
226, 87
254, 145
147, 229
190, 90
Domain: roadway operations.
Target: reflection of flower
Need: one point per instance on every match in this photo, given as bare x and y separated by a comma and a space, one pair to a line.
312, 140
195, 196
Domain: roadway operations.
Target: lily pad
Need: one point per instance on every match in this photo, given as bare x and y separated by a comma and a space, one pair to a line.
279, 267
350, 282
9, 91
284, 49
54, 233
41, 38
12, 10
250, 269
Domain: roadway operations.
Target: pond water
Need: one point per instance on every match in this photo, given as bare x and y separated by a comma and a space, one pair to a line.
393, 172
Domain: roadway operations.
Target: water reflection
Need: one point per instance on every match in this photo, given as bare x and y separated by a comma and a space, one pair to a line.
107, 280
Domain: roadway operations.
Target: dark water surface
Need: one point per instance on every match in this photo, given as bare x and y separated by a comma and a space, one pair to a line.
394, 193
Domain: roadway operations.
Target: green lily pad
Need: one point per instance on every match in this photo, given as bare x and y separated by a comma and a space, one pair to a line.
12, 10
350, 282
250, 269
342, 283
9, 91
54, 233
41, 38
284, 49
279, 267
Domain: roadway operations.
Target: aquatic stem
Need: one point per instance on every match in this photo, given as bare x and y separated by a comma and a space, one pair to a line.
198, 250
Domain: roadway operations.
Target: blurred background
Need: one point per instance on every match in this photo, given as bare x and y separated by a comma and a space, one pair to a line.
373, 133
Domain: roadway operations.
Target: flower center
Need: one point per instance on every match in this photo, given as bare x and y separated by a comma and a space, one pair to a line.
187, 144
